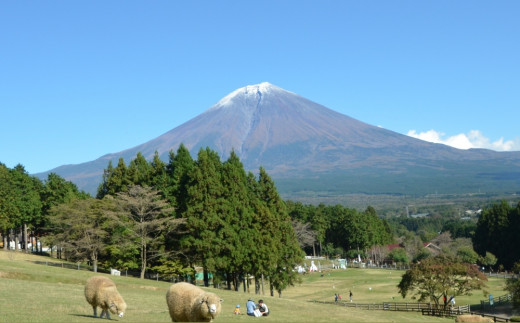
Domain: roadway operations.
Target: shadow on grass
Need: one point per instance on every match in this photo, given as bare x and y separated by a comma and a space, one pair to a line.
91, 316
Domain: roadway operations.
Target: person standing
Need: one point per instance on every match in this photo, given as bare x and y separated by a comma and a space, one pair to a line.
350, 295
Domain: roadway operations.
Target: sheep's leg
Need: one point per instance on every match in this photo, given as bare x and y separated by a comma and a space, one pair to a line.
95, 311
106, 313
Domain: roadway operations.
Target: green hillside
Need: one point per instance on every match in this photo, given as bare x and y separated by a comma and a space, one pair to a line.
39, 293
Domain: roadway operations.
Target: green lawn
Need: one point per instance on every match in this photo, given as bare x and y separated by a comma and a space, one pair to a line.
37, 293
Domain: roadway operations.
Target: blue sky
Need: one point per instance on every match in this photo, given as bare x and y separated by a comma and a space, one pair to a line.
79, 79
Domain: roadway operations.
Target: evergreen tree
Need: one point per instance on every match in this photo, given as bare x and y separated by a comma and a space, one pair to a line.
103, 188
236, 234
27, 202
158, 175
320, 223
139, 171
205, 206
115, 180
178, 170
289, 254
497, 227
265, 244
7, 205
57, 190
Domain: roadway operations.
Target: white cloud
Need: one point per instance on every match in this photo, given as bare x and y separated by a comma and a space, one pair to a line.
472, 139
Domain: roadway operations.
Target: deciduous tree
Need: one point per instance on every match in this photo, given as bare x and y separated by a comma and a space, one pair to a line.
441, 276
79, 228
146, 215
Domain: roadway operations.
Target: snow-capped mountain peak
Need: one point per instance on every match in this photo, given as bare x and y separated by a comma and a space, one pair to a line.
249, 92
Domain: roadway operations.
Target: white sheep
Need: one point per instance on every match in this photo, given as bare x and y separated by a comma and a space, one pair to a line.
101, 291
189, 303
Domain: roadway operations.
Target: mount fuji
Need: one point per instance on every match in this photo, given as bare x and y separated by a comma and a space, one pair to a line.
309, 149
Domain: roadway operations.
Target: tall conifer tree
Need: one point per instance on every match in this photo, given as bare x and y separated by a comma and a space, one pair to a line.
178, 169
205, 206
288, 254
139, 171
237, 233
158, 175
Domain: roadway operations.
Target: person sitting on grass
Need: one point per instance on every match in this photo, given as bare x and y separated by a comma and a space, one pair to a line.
263, 308
250, 306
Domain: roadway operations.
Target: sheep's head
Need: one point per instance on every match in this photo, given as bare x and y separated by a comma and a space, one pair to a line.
118, 308
210, 305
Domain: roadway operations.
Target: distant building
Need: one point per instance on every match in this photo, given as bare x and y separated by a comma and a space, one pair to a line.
419, 215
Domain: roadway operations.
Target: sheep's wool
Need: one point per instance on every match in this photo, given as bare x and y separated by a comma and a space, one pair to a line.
189, 303
101, 292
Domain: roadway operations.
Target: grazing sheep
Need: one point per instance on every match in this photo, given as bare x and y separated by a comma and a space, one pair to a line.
101, 291
472, 318
189, 303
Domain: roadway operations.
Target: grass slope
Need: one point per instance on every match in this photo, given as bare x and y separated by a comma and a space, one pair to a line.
38, 293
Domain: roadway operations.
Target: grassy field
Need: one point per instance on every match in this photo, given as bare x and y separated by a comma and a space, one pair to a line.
32, 292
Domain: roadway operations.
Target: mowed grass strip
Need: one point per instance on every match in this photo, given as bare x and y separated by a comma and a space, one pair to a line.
37, 293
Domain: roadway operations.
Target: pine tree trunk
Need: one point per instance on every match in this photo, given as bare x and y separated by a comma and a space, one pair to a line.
228, 281
206, 277
94, 262
16, 241
263, 284
143, 260
25, 240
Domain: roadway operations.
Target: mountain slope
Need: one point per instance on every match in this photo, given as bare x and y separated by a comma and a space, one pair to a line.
295, 138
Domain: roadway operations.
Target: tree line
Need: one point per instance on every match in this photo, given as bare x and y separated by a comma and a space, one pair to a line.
496, 231
338, 231
172, 216
25, 202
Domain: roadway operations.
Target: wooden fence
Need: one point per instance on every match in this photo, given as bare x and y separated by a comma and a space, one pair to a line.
504, 299
416, 307
367, 306
425, 308
450, 311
